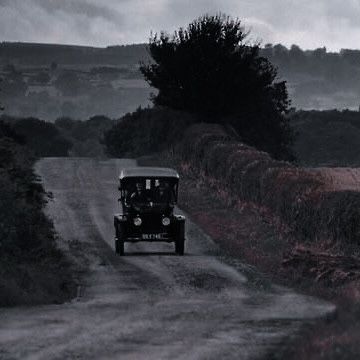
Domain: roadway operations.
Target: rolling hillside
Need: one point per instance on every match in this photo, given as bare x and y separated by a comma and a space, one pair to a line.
51, 81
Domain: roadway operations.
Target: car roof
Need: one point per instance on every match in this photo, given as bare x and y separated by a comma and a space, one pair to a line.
147, 171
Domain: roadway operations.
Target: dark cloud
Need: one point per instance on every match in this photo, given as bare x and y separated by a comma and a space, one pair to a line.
309, 23
81, 7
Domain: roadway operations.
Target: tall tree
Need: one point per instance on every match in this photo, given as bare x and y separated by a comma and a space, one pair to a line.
211, 69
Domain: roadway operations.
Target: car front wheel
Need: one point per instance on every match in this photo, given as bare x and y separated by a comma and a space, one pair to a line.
119, 246
179, 246
119, 239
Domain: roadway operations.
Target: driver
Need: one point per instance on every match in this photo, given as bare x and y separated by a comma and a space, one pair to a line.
138, 197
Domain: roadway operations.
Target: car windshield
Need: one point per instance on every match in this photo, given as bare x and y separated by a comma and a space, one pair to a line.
150, 195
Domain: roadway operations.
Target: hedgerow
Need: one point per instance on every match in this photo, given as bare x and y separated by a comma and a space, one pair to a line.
301, 198
32, 268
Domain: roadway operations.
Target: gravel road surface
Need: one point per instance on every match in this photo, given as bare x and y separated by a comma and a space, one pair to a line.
149, 304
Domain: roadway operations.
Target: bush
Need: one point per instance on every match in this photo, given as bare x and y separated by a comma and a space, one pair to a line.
145, 131
23, 226
32, 269
327, 138
86, 136
42, 137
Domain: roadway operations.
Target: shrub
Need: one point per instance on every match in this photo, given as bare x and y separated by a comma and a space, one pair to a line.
24, 228
42, 137
146, 130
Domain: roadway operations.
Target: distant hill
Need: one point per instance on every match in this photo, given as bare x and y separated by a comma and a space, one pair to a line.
43, 54
49, 80
318, 79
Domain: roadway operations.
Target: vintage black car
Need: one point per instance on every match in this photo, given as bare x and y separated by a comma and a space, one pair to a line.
148, 196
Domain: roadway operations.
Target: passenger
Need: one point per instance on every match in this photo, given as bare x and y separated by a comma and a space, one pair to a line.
164, 195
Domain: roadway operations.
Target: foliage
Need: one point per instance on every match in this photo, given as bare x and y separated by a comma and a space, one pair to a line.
86, 136
209, 69
336, 69
65, 137
32, 269
58, 55
6, 131
146, 130
82, 130
327, 138
42, 137
24, 229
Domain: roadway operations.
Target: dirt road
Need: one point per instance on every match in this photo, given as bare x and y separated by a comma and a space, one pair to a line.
149, 304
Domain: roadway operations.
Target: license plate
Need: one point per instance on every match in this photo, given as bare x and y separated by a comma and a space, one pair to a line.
151, 236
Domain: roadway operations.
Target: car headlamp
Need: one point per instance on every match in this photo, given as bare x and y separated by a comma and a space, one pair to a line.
165, 221
137, 221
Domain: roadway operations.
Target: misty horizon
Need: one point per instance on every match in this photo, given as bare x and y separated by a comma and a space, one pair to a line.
262, 45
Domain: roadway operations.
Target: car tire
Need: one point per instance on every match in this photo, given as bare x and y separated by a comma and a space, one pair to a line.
179, 246
119, 239
119, 247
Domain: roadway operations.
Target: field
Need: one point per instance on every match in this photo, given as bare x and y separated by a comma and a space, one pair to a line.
77, 91
108, 81
340, 179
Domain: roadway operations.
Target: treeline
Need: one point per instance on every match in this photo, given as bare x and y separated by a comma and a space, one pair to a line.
318, 79
288, 59
43, 138
322, 138
65, 137
327, 138
32, 269
340, 68
86, 136
41, 54
211, 150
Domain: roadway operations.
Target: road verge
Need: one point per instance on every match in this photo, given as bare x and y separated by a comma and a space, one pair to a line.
260, 237
32, 269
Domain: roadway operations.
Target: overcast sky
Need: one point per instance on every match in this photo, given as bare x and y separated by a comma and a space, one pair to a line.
308, 23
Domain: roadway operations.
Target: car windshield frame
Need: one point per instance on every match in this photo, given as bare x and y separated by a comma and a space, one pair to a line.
151, 186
